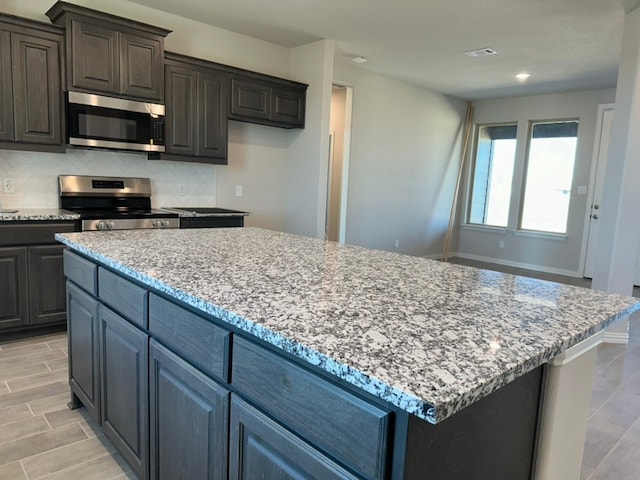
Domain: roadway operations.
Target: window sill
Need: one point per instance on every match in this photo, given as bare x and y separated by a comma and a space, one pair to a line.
484, 228
542, 235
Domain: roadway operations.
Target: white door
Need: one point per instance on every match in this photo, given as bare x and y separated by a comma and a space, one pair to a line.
601, 149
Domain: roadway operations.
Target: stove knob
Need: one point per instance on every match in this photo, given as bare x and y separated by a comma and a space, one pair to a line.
156, 224
110, 225
101, 225
165, 223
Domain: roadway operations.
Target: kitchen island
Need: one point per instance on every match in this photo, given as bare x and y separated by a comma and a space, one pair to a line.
332, 360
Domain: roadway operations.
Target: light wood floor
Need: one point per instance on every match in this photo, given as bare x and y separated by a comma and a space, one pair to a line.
40, 438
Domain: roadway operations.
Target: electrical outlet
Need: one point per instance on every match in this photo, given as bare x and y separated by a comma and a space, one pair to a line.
501, 244
239, 191
182, 191
397, 243
9, 185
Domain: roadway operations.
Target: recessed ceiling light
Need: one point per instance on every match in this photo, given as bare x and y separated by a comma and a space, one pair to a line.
359, 59
481, 52
522, 76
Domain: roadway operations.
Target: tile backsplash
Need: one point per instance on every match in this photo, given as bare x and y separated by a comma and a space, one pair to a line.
36, 176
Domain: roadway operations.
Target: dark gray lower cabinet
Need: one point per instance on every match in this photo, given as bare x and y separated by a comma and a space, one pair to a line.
124, 352
13, 287
32, 284
47, 301
84, 360
262, 449
189, 420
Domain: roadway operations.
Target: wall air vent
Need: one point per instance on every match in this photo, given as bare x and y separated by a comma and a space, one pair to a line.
481, 52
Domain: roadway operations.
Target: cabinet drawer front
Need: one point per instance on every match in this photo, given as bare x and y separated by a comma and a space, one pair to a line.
345, 426
194, 338
260, 448
33, 234
80, 271
123, 296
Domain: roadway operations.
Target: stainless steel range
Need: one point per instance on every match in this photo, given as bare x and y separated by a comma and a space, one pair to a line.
113, 203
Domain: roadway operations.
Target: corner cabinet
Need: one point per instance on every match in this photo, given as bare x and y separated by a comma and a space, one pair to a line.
269, 101
111, 54
31, 87
196, 111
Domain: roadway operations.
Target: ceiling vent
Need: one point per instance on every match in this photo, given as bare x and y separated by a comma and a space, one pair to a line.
482, 52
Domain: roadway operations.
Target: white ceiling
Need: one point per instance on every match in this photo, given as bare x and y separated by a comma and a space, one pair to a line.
564, 44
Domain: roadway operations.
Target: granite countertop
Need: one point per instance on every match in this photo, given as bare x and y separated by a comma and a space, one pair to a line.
426, 336
31, 214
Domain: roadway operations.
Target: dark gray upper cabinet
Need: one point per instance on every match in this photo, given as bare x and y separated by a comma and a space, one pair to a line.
6, 94
111, 54
267, 100
31, 92
196, 111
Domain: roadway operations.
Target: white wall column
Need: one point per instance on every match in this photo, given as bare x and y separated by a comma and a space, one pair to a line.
619, 234
309, 150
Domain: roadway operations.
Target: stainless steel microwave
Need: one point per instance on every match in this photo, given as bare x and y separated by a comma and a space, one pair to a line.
96, 121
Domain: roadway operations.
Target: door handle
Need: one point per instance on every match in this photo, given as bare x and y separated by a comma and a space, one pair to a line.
595, 217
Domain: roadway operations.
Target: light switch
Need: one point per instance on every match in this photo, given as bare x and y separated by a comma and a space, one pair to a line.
239, 190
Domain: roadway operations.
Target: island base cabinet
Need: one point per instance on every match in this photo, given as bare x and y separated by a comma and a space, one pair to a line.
189, 420
262, 449
124, 362
84, 366
494, 438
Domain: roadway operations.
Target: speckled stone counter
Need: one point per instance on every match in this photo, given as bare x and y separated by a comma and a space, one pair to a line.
36, 214
428, 337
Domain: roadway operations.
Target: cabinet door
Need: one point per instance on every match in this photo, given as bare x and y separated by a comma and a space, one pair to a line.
250, 99
287, 106
212, 114
47, 302
6, 93
261, 448
189, 420
95, 58
13, 287
123, 368
141, 67
181, 110
37, 91
84, 350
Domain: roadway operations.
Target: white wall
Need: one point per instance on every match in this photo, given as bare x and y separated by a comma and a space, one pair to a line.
403, 165
337, 128
259, 163
543, 252
309, 152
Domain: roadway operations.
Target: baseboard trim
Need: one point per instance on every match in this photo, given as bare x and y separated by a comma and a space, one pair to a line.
525, 266
616, 337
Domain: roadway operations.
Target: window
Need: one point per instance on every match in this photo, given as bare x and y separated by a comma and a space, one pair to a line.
549, 174
492, 176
